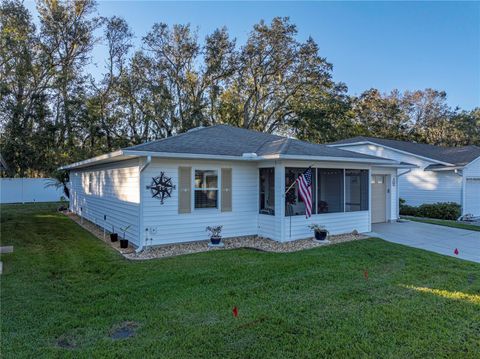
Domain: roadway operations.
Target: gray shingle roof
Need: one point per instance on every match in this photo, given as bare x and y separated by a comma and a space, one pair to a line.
226, 140
458, 156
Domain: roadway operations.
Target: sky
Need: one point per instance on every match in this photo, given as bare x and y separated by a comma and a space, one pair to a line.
383, 45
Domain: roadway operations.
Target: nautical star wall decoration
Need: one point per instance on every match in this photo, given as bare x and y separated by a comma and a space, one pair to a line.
161, 187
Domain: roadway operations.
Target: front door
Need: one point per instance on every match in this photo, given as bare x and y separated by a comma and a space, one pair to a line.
379, 199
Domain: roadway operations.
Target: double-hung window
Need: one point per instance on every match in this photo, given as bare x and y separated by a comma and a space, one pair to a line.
206, 189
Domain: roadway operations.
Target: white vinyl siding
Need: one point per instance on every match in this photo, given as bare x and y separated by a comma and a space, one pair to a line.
336, 223
266, 226
418, 187
471, 174
163, 224
111, 190
472, 170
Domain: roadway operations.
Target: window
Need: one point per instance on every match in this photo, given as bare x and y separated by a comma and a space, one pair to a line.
330, 190
293, 203
356, 190
267, 191
206, 189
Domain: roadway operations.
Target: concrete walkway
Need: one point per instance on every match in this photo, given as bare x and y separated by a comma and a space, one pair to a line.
439, 239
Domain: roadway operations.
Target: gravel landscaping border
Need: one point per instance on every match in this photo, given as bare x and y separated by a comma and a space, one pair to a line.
249, 242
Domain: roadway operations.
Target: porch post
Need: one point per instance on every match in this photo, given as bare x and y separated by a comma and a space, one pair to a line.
279, 201
370, 199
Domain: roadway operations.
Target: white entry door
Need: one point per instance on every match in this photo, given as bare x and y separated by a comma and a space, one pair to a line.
379, 199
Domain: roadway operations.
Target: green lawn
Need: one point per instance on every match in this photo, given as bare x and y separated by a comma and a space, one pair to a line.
63, 286
443, 222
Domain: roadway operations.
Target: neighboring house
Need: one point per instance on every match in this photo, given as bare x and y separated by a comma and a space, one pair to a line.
233, 177
444, 174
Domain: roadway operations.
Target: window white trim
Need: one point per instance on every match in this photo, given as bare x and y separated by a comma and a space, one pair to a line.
218, 189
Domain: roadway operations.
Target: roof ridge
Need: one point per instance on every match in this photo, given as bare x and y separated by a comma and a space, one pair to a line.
285, 146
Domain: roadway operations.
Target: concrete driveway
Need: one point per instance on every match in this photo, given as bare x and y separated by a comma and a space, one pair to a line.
439, 239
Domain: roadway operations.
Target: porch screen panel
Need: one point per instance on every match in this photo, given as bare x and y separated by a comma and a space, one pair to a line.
356, 190
267, 191
294, 205
330, 190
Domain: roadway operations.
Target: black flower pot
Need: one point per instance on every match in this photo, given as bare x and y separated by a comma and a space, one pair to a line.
215, 240
123, 243
320, 235
114, 237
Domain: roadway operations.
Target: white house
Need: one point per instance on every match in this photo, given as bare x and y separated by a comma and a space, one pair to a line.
444, 174
228, 176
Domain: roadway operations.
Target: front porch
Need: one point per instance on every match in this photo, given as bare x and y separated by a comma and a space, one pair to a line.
341, 194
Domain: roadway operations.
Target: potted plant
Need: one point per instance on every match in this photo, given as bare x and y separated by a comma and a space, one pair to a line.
124, 241
113, 235
319, 231
215, 232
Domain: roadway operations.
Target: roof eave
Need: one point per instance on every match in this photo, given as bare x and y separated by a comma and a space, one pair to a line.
391, 148
108, 157
188, 155
332, 159
127, 154
446, 168
258, 158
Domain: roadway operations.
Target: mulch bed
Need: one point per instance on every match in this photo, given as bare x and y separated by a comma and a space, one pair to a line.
250, 242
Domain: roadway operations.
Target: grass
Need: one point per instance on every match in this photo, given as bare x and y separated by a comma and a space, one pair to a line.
444, 222
63, 292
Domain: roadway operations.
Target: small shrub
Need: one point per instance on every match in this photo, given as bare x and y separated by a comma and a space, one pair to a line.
407, 210
440, 210
445, 210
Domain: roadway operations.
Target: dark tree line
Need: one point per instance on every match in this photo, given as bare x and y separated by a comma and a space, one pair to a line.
52, 111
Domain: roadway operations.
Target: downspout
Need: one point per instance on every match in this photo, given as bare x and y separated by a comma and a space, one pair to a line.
141, 231
398, 191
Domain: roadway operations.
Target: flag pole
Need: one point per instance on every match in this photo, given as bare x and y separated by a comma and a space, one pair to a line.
289, 188
293, 184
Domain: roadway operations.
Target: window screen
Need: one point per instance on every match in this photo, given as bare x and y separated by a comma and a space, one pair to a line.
267, 191
356, 190
206, 189
330, 190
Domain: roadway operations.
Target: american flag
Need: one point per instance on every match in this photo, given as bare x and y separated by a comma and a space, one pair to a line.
305, 190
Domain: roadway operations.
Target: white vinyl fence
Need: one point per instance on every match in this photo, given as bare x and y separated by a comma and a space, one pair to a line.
21, 190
